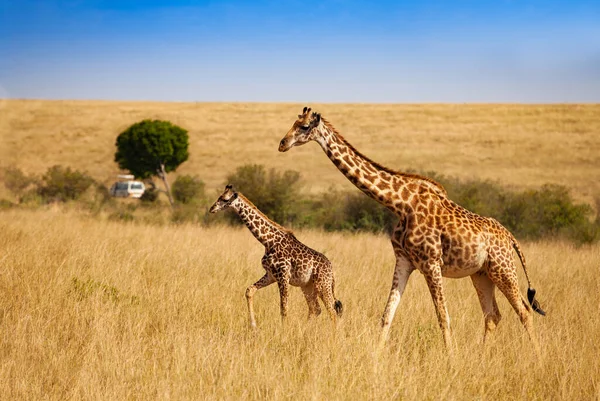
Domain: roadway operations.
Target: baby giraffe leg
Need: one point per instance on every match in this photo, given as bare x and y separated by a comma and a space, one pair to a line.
263, 282
329, 302
310, 294
283, 295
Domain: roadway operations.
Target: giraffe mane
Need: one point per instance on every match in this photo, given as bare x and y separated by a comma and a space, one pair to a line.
379, 166
277, 225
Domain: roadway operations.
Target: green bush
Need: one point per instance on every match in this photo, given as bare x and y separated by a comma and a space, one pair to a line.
188, 190
60, 184
6, 204
546, 212
275, 194
16, 181
150, 195
352, 211
365, 214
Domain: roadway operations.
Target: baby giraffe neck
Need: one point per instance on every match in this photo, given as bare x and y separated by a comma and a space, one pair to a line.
264, 230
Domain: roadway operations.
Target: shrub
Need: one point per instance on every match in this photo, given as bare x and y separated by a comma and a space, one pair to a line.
60, 184
16, 181
187, 189
352, 211
547, 212
5, 204
365, 214
274, 193
150, 195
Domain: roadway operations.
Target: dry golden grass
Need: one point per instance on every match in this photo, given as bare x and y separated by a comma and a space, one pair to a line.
518, 145
92, 309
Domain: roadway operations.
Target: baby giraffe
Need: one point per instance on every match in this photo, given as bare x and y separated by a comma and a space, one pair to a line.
287, 261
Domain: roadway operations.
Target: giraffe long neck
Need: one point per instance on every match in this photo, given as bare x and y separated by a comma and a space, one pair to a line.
387, 187
266, 231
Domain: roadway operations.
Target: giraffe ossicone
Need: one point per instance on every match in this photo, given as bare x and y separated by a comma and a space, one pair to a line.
287, 261
434, 235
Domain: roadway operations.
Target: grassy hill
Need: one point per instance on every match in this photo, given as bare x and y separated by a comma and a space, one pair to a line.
518, 145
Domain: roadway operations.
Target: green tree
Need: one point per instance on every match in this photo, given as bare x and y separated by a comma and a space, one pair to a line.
152, 148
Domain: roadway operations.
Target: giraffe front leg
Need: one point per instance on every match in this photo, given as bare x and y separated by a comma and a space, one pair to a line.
433, 275
402, 273
263, 282
283, 296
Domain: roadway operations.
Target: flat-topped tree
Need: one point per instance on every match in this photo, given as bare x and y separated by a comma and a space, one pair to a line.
152, 148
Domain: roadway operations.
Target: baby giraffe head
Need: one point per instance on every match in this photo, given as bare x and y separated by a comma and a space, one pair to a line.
303, 130
225, 200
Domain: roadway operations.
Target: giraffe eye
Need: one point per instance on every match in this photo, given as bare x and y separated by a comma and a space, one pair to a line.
305, 127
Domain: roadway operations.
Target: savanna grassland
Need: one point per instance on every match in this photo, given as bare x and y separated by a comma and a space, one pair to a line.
98, 309
520, 146
93, 309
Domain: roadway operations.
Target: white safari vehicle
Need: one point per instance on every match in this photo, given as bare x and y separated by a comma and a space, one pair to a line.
127, 187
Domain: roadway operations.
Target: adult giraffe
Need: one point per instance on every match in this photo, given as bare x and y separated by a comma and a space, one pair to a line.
434, 235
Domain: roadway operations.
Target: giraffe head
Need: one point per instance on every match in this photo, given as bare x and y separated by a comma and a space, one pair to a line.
225, 200
304, 130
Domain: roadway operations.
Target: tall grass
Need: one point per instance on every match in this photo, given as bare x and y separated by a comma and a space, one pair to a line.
93, 309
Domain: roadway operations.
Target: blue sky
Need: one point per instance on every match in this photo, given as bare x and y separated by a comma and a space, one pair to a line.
301, 51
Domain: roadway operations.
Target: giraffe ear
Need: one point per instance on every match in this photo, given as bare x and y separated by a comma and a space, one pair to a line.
317, 118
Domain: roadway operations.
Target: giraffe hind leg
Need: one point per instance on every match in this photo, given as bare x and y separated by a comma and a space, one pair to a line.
504, 276
485, 292
324, 287
311, 296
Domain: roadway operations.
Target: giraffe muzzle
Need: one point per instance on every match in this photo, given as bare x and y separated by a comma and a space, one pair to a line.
283, 146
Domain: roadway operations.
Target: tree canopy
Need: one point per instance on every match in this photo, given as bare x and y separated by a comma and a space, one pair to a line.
151, 147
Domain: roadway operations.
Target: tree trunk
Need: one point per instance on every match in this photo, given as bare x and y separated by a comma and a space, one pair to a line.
163, 175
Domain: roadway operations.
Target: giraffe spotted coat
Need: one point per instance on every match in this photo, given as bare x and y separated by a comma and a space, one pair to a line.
287, 261
434, 235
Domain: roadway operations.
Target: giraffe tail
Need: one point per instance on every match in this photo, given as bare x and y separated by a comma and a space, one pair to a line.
535, 305
337, 305
339, 308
